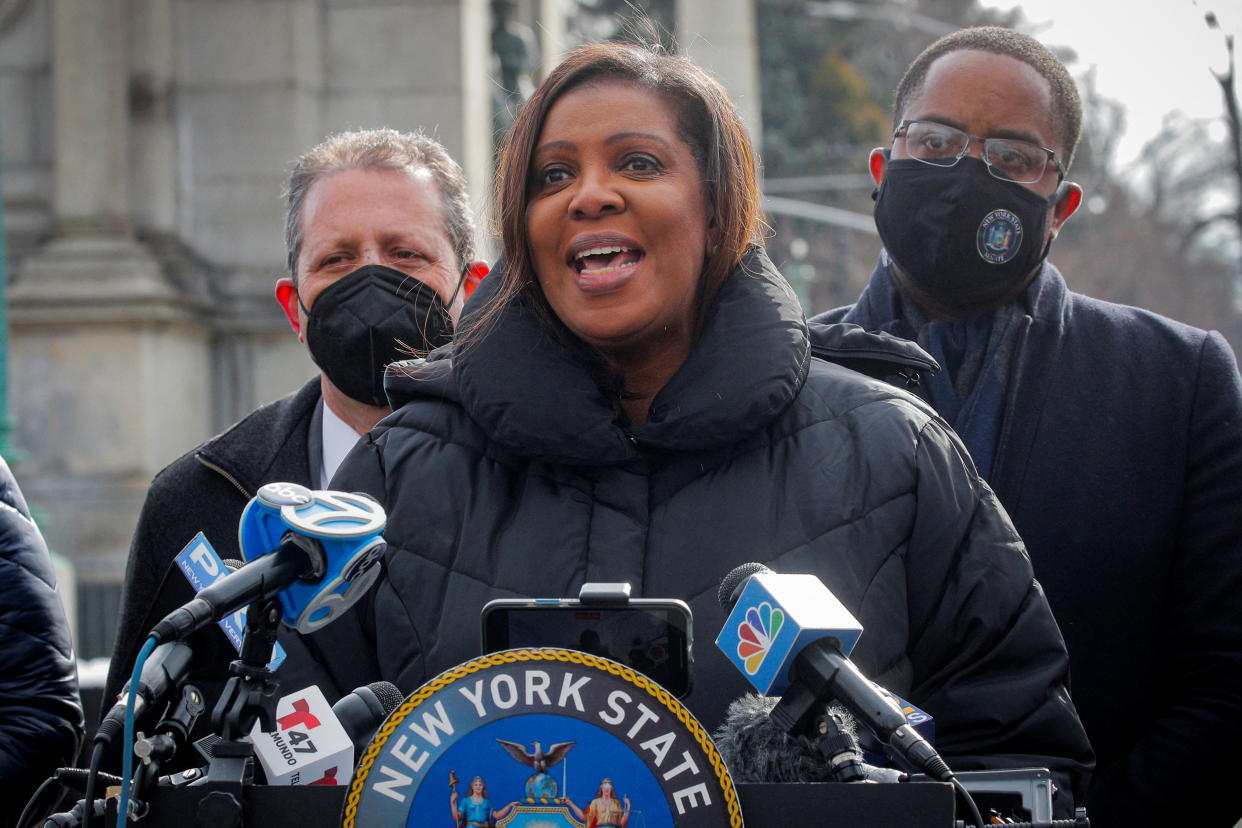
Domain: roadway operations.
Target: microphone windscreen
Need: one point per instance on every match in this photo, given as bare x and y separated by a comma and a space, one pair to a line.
365, 709
388, 695
756, 749
731, 584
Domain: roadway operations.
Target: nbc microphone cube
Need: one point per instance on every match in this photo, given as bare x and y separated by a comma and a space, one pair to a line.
774, 619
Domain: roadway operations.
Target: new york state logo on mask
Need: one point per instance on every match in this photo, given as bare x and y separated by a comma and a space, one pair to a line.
999, 236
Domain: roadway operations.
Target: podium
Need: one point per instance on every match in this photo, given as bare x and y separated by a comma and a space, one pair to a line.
907, 805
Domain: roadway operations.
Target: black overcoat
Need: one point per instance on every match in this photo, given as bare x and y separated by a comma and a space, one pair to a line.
1120, 461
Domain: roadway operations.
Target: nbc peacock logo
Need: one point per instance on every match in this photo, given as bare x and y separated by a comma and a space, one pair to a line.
756, 634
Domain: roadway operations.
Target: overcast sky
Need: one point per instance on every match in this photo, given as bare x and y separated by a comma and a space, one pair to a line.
1152, 55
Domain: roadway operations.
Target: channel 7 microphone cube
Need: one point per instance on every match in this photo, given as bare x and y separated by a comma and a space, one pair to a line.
346, 526
774, 619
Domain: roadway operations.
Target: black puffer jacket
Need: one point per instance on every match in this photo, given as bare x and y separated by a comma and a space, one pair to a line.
506, 473
40, 712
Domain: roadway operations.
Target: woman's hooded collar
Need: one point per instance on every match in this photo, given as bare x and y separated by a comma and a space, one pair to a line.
536, 395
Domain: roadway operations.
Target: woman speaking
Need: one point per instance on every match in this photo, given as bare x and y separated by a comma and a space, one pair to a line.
634, 398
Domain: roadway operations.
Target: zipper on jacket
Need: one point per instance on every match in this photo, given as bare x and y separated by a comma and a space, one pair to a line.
203, 461
834, 353
910, 376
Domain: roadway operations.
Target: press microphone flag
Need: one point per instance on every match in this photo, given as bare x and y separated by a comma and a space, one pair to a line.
346, 526
775, 618
202, 566
314, 744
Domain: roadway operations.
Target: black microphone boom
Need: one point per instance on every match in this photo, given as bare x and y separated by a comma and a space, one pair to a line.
826, 673
298, 556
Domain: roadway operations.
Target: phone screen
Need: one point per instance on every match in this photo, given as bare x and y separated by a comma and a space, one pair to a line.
653, 640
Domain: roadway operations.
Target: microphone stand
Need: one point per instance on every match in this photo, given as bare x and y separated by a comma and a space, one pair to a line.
153, 751
156, 749
249, 696
812, 722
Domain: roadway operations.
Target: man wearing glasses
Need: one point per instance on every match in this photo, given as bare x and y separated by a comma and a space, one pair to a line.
1111, 435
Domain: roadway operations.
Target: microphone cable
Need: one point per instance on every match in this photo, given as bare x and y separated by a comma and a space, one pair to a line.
970, 801
127, 744
92, 775
30, 803
71, 779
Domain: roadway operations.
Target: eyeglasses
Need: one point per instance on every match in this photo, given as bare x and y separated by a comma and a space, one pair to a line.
1009, 159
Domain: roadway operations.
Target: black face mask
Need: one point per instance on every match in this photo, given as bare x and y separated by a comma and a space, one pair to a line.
369, 318
964, 242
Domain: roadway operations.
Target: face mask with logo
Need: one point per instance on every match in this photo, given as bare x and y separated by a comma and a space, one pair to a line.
369, 318
964, 241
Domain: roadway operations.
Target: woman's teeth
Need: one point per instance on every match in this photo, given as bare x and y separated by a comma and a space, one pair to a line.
601, 260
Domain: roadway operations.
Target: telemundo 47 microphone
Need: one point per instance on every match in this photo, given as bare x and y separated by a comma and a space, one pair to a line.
789, 635
314, 744
317, 551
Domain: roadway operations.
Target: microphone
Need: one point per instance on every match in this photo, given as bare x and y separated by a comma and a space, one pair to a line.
163, 670
315, 550
314, 744
202, 566
917, 718
789, 635
364, 710
756, 749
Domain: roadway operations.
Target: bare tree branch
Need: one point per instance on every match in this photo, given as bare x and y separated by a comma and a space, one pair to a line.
1228, 88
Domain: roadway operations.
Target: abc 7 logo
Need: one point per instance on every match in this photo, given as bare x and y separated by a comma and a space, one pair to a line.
337, 594
336, 515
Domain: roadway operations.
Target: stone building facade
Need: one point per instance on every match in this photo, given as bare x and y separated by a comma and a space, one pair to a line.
145, 144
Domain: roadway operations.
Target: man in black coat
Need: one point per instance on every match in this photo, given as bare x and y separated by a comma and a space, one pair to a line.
40, 712
1112, 436
380, 240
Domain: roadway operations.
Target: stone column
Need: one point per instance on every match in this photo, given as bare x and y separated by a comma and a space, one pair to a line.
720, 36
93, 243
108, 359
417, 65
551, 35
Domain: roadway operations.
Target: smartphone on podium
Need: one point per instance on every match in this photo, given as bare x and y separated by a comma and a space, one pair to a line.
652, 635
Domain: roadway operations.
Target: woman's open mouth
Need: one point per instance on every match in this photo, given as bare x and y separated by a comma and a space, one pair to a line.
603, 268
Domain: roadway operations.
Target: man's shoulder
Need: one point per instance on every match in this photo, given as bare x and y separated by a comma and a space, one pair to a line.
1152, 335
259, 434
1084, 308
834, 315
283, 413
